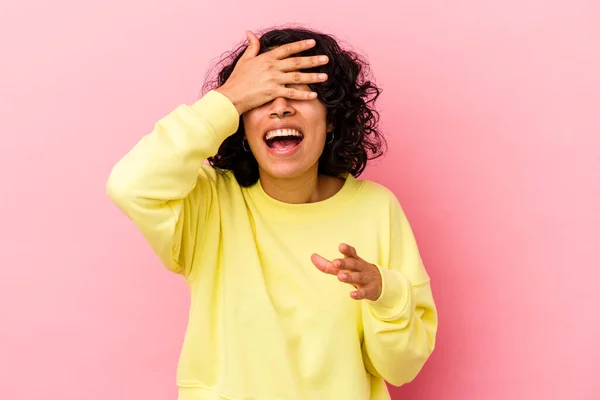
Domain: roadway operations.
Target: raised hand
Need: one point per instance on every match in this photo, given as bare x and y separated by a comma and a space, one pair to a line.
352, 269
258, 79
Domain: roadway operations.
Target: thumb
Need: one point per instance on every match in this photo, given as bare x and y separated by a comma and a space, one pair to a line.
253, 45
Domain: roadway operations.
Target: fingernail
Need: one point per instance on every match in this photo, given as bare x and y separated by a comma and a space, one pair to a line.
322, 76
323, 58
310, 42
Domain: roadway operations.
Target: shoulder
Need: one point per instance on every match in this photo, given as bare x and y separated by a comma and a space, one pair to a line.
376, 192
377, 199
219, 179
213, 173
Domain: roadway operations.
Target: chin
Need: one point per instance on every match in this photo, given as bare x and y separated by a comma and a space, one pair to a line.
288, 171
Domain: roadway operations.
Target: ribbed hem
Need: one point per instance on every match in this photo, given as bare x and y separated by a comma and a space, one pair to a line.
200, 393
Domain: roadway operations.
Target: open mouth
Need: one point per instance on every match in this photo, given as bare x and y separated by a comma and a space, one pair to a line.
283, 139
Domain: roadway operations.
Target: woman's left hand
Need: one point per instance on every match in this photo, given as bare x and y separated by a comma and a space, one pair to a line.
352, 269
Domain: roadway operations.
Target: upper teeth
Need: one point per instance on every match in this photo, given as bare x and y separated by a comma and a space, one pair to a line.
282, 132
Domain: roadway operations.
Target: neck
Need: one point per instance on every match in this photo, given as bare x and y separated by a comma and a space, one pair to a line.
306, 188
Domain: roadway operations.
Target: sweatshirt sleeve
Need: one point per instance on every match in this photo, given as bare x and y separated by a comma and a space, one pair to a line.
400, 326
163, 184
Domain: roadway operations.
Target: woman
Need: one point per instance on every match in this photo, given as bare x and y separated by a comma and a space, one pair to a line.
305, 282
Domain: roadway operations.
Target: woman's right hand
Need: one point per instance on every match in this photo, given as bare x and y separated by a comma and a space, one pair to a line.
257, 80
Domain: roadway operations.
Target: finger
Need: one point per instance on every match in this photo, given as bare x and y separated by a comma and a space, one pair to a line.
300, 78
348, 264
348, 250
359, 294
295, 94
253, 45
323, 264
296, 63
286, 50
352, 278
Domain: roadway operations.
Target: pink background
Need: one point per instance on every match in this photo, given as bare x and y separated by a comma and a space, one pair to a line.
492, 112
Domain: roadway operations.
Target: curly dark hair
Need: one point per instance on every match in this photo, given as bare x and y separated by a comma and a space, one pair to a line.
348, 95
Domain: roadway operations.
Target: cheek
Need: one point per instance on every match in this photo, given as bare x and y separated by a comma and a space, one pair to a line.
319, 117
250, 120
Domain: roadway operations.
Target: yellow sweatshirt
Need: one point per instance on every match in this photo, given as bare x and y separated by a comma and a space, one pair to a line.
264, 322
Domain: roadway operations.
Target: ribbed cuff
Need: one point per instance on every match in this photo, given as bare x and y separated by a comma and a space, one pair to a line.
395, 295
219, 112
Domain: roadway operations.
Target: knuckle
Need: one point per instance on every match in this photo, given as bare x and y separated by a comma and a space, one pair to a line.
296, 77
288, 48
291, 93
296, 61
365, 279
274, 76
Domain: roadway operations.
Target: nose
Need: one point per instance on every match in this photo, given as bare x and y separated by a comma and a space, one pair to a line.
281, 108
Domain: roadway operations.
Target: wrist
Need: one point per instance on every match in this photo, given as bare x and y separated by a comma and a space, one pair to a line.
395, 297
232, 98
378, 283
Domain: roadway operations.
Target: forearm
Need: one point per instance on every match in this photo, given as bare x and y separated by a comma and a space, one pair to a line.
160, 183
